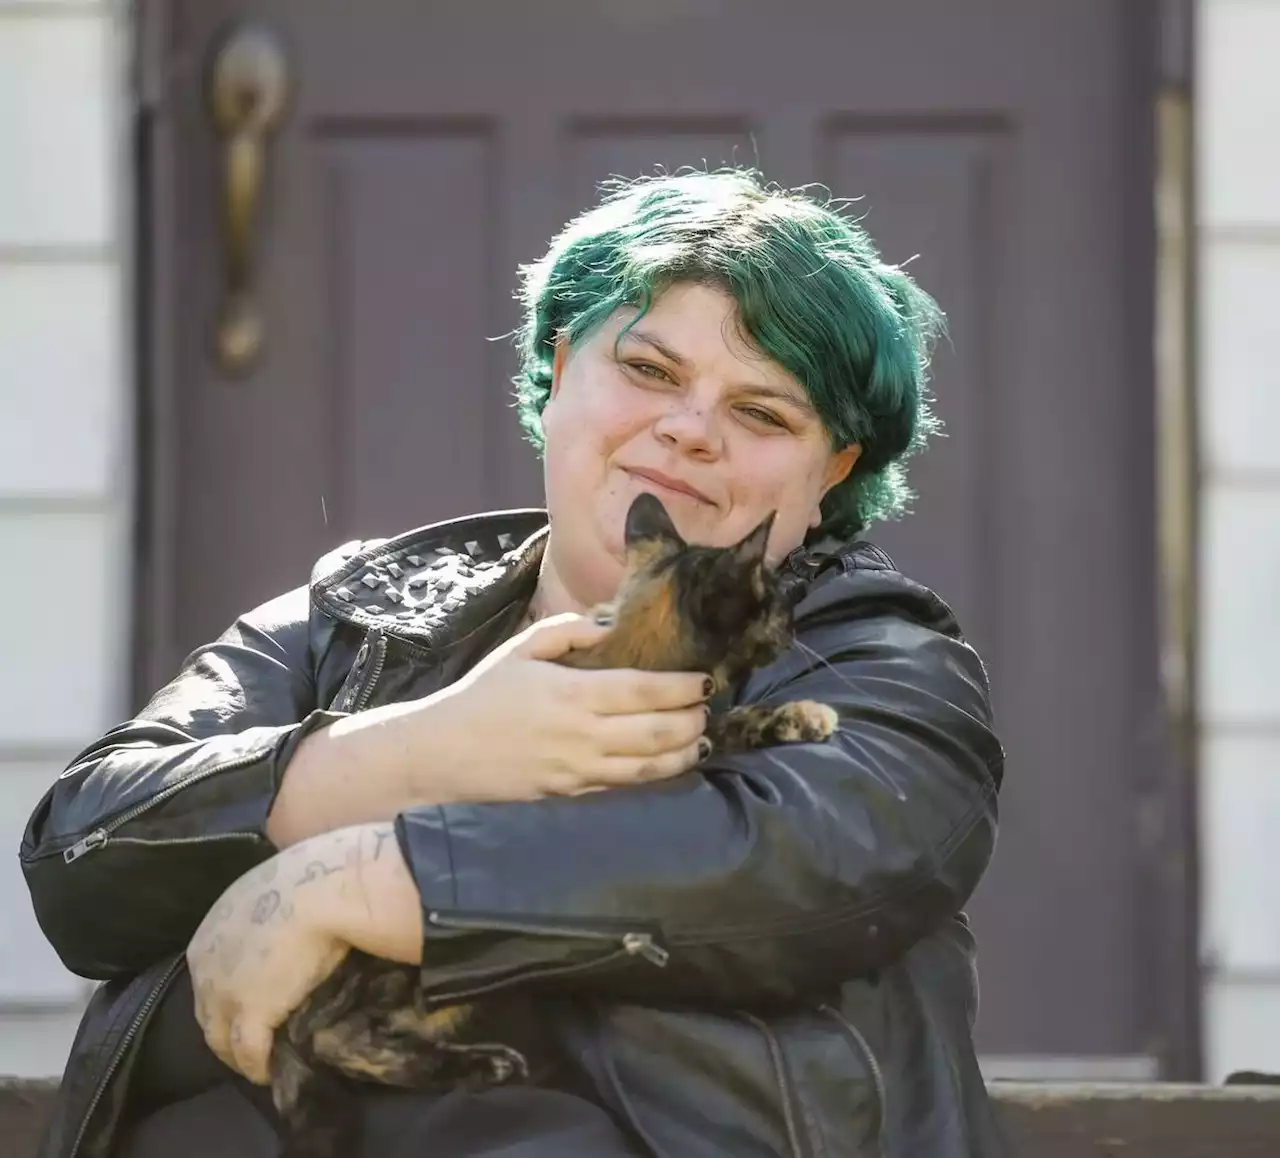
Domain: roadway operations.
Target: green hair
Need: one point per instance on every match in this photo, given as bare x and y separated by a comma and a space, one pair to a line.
813, 295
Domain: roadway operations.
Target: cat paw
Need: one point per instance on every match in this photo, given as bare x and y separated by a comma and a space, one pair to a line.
495, 1065
806, 721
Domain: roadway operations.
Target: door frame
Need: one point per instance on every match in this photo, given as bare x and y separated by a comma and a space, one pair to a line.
1160, 36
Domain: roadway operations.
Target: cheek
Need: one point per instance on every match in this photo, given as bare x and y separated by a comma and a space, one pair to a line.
786, 482
595, 409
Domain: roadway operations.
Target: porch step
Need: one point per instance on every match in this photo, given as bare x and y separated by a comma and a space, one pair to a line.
1139, 1120
1043, 1119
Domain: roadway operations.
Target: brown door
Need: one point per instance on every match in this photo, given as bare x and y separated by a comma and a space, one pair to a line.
431, 147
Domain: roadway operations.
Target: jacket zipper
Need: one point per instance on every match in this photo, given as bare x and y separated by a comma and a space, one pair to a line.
877, 1076
117, 1057
784, 1084
99, 836
630, 943
375, 672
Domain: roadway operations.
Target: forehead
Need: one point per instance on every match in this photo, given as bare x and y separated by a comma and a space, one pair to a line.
700, 325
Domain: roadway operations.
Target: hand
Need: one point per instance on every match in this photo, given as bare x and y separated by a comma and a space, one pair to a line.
516, 727
519, 726
260, 951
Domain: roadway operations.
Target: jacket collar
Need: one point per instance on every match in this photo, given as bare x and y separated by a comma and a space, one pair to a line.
440, 584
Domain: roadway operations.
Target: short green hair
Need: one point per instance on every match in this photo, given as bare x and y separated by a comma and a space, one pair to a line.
812, 291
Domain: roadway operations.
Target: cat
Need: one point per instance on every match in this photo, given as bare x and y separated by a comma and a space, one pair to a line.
680, 607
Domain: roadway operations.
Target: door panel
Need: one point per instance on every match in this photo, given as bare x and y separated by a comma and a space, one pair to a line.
429, 149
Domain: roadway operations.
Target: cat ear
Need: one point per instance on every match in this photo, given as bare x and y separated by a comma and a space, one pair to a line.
648, 522
752, 548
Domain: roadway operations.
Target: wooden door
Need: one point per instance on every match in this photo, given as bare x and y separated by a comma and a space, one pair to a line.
428, 148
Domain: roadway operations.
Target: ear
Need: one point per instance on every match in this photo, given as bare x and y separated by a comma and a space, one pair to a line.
842, 462
752, 548
557, 365
648, 522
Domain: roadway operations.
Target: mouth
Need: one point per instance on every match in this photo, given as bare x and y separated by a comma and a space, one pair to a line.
668, 483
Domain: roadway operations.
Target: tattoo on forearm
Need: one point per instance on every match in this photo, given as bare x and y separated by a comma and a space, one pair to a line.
317, 869
364, 896
379, 836
264, 908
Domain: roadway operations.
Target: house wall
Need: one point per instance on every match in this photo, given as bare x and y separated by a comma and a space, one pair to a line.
65, 456
1238, 241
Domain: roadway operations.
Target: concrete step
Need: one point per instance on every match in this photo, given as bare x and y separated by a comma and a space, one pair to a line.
1043, 1120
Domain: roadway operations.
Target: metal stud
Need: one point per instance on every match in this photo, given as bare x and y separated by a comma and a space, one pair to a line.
414, 560
345, 595
505, 541
374, 609
392, 595
396, 572
370, 580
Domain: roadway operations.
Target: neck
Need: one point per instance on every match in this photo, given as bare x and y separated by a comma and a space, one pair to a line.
568, 590
551, 596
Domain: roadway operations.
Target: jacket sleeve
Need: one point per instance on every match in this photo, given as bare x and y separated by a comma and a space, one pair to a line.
759, 876
145, 828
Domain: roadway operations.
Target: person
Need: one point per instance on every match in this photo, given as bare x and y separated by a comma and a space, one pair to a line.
728, 954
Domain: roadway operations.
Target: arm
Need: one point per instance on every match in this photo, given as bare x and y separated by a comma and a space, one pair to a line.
236, 758
761, 876
133, 842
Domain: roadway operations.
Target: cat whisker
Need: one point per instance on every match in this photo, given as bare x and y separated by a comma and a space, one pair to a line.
805, 649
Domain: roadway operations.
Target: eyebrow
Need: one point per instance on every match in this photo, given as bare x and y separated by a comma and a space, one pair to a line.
647, 339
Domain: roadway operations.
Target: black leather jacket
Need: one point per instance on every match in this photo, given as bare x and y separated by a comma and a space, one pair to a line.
767, 957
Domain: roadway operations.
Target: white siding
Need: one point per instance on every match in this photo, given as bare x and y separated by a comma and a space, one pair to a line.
65, 457
1239, 375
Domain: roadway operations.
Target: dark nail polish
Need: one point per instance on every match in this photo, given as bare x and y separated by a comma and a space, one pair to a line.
704, 747
708, 687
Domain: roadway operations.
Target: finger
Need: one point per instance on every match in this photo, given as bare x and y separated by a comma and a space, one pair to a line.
650, 733
617, 771
251, 1041
625, 691
552, 637
216, 1025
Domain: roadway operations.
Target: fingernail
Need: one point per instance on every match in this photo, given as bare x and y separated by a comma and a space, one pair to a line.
704, 747
604, 618
708, 686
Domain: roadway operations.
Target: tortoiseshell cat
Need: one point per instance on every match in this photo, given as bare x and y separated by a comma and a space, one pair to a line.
680, 608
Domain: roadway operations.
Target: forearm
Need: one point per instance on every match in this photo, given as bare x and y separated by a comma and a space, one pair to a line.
363, 769
765, 876
356, 884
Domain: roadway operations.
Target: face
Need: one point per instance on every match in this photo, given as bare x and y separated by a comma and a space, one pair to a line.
685, 408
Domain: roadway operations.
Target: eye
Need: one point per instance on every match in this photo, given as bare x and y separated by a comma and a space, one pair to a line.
649, 370
758, 414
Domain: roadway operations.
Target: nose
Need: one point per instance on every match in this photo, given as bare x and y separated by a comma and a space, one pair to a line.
690, 427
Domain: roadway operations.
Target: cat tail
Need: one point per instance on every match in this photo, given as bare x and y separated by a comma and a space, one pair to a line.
319, 1113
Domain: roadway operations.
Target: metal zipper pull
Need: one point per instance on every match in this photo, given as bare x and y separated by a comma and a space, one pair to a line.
643, 945
96, 839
